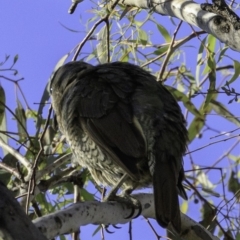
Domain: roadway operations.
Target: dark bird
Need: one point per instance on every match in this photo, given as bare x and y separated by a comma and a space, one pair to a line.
118, 120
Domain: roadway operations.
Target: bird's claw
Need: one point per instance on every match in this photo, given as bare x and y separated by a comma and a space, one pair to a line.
107, 230
131, 202
133, 208
115, 226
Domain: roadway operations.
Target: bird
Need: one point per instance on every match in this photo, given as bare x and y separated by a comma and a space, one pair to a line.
126, 128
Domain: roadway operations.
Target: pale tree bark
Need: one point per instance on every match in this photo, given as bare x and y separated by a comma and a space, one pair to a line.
191, 12
93, 212
15, 225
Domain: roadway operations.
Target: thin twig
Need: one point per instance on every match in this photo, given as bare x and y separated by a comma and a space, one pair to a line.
176, 45
16, 154
9, 79
222, 134
32, 182
108, 40
223, 140
16, 117
51, 167
77, 198
11, 170
169, 53
210, 205
104, 19
130, 230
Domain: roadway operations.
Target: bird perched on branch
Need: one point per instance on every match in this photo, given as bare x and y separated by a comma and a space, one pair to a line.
123, 125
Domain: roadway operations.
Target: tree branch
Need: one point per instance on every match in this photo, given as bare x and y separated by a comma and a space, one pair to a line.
93, 212
191, 12
14, 223
16, 154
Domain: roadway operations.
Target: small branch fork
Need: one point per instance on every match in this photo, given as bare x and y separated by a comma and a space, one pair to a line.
104, 19
32, 182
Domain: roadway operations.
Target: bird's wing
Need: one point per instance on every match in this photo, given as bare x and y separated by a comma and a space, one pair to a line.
102, 103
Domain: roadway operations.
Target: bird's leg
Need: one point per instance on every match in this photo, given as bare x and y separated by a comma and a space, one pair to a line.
125, 197
131, 201
113, 192
112, 197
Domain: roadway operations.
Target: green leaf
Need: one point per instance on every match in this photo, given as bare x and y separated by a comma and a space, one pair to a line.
48, 136
164, 33
21, 121
200, 60
233, 184
211, 90
124, 58
46, 207
62, 237
184, 207
208, 216
15, 59
222, 53
221, 110
142, 35
195, 127
185, 100
86, 196
210, 191
161, 50
45, 97
96, 230
31, 114
236, 73
238, 236
211, 43
198, 122
211, 65
137, 23
10, 160
3, 121
2, 106
3, 128
202, 178
102, 46
200, 55
5, 176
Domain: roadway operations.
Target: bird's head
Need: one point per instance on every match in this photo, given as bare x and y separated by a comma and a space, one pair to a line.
64, 76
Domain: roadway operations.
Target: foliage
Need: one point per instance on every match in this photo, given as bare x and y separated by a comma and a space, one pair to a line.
207, 94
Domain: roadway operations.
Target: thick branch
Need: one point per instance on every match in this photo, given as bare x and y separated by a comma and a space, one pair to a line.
14, 224
192, 13
93, 212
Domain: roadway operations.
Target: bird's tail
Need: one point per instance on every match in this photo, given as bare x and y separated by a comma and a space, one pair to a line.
165, 181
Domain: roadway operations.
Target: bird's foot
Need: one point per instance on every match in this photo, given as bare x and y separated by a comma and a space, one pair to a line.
106, 228
133, 203
129, 201
124, 198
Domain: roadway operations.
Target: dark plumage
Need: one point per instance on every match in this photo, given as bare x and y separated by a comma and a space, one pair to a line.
118, 119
